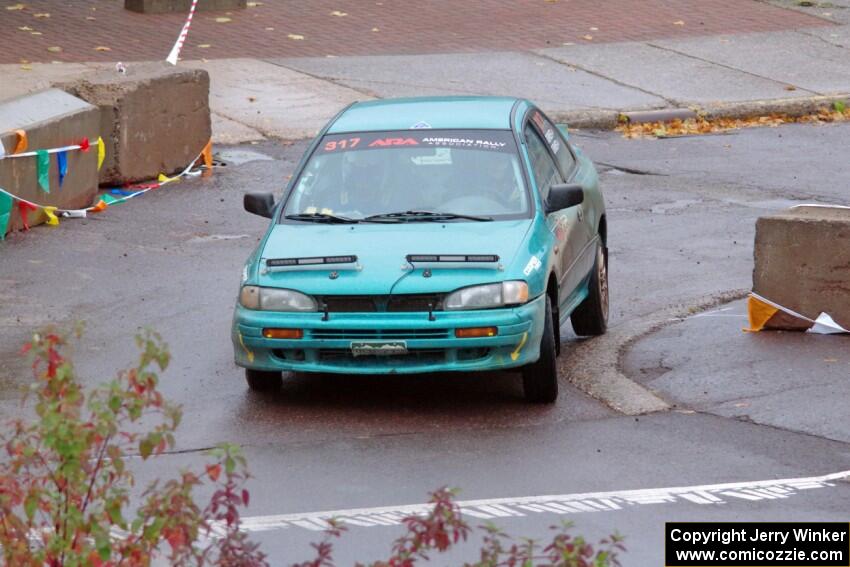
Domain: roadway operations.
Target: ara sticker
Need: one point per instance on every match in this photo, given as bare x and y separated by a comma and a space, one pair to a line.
393, 142
532, 266
420, 126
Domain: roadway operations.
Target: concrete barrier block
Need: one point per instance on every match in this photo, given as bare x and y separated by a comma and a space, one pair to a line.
165, 6
51, 119
802, 261
155, 118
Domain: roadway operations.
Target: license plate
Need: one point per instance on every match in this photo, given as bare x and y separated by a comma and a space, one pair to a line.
378, 348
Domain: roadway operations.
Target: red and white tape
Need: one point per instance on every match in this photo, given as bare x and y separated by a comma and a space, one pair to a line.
181, 39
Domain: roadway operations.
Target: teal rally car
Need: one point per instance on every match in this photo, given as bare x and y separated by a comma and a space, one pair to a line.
427, 235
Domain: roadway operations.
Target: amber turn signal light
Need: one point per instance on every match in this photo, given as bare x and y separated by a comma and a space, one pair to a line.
476, 332
283, 333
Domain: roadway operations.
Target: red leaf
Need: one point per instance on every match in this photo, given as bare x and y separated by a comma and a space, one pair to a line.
214, 471
245, 497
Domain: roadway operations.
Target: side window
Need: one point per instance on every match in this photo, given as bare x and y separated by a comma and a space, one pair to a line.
545, 171
556, 142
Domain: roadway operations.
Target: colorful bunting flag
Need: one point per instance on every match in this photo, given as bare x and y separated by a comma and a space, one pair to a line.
7, 199
207, 155
101, 152
51, 216
24, 209
62, 164
21, 144
5, 213
43, 164
764, 314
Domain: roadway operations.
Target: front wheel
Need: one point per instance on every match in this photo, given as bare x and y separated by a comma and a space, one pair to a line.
591, 317
263, 380
540, 379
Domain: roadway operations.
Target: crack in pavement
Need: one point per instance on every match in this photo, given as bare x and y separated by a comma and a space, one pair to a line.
731, 68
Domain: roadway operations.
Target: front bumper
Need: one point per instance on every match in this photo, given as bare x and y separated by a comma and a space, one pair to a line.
432, 345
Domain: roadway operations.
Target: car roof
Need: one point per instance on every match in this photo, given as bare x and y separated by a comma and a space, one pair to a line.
450, 112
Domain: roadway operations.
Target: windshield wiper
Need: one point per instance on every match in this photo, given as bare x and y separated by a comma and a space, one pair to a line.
414, 216
321, 217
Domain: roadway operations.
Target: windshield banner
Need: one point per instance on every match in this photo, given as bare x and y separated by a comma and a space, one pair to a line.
492, 140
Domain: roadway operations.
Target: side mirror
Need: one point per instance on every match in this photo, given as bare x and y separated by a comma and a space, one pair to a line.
259, 204
564, 196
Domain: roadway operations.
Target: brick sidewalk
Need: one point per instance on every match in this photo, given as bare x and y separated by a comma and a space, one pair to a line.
274, 28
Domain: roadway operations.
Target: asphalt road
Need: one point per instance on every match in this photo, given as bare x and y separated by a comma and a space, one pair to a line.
681, 224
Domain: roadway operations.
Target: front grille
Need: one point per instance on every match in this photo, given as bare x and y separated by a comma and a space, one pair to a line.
422, 356
403, 303
348, 304
371, 334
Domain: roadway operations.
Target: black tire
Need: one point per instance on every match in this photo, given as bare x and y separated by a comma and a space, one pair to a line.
591, 317
540, 379
262, 380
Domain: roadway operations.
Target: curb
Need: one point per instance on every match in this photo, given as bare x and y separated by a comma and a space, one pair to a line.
599, 119
593, 365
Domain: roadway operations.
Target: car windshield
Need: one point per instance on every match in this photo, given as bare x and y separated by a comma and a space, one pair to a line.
405, 176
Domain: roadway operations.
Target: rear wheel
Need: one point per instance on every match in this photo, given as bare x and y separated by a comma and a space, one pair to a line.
263, 380
540, 379
591, 317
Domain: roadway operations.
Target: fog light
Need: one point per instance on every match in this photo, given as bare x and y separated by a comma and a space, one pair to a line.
283, 333
476, 332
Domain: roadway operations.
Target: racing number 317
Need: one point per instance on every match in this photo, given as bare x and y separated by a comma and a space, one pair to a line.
341, 144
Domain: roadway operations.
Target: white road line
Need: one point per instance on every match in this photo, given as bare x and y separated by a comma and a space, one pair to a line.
709, 494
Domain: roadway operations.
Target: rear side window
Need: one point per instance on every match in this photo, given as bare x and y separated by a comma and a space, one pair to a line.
545, 171
556, 142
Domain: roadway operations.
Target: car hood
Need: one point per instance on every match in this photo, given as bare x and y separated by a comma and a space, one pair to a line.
381, 251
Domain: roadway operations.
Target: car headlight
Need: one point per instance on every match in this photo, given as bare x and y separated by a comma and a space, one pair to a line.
486, 296
273, 299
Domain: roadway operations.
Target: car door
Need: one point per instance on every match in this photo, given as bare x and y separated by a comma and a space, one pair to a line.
546, 173
582, 235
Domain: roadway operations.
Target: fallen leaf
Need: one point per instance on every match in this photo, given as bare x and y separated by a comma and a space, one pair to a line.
678, 23
338, 14
254, 4
830, 360
26, 67
742, 405
41, 15
587, 37
269, 29
35, 33
790, 88
25, 28
223, 20
568, 43
91, 18
376, 29
252, 99
102, 48
205, 46
295, 36
594, 29
54, 49
16, 7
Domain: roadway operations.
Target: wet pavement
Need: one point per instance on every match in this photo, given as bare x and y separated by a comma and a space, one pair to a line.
681, 220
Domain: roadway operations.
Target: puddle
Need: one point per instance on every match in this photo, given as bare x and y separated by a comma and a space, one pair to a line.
238, 156
217, 237
664, 208
771, 204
